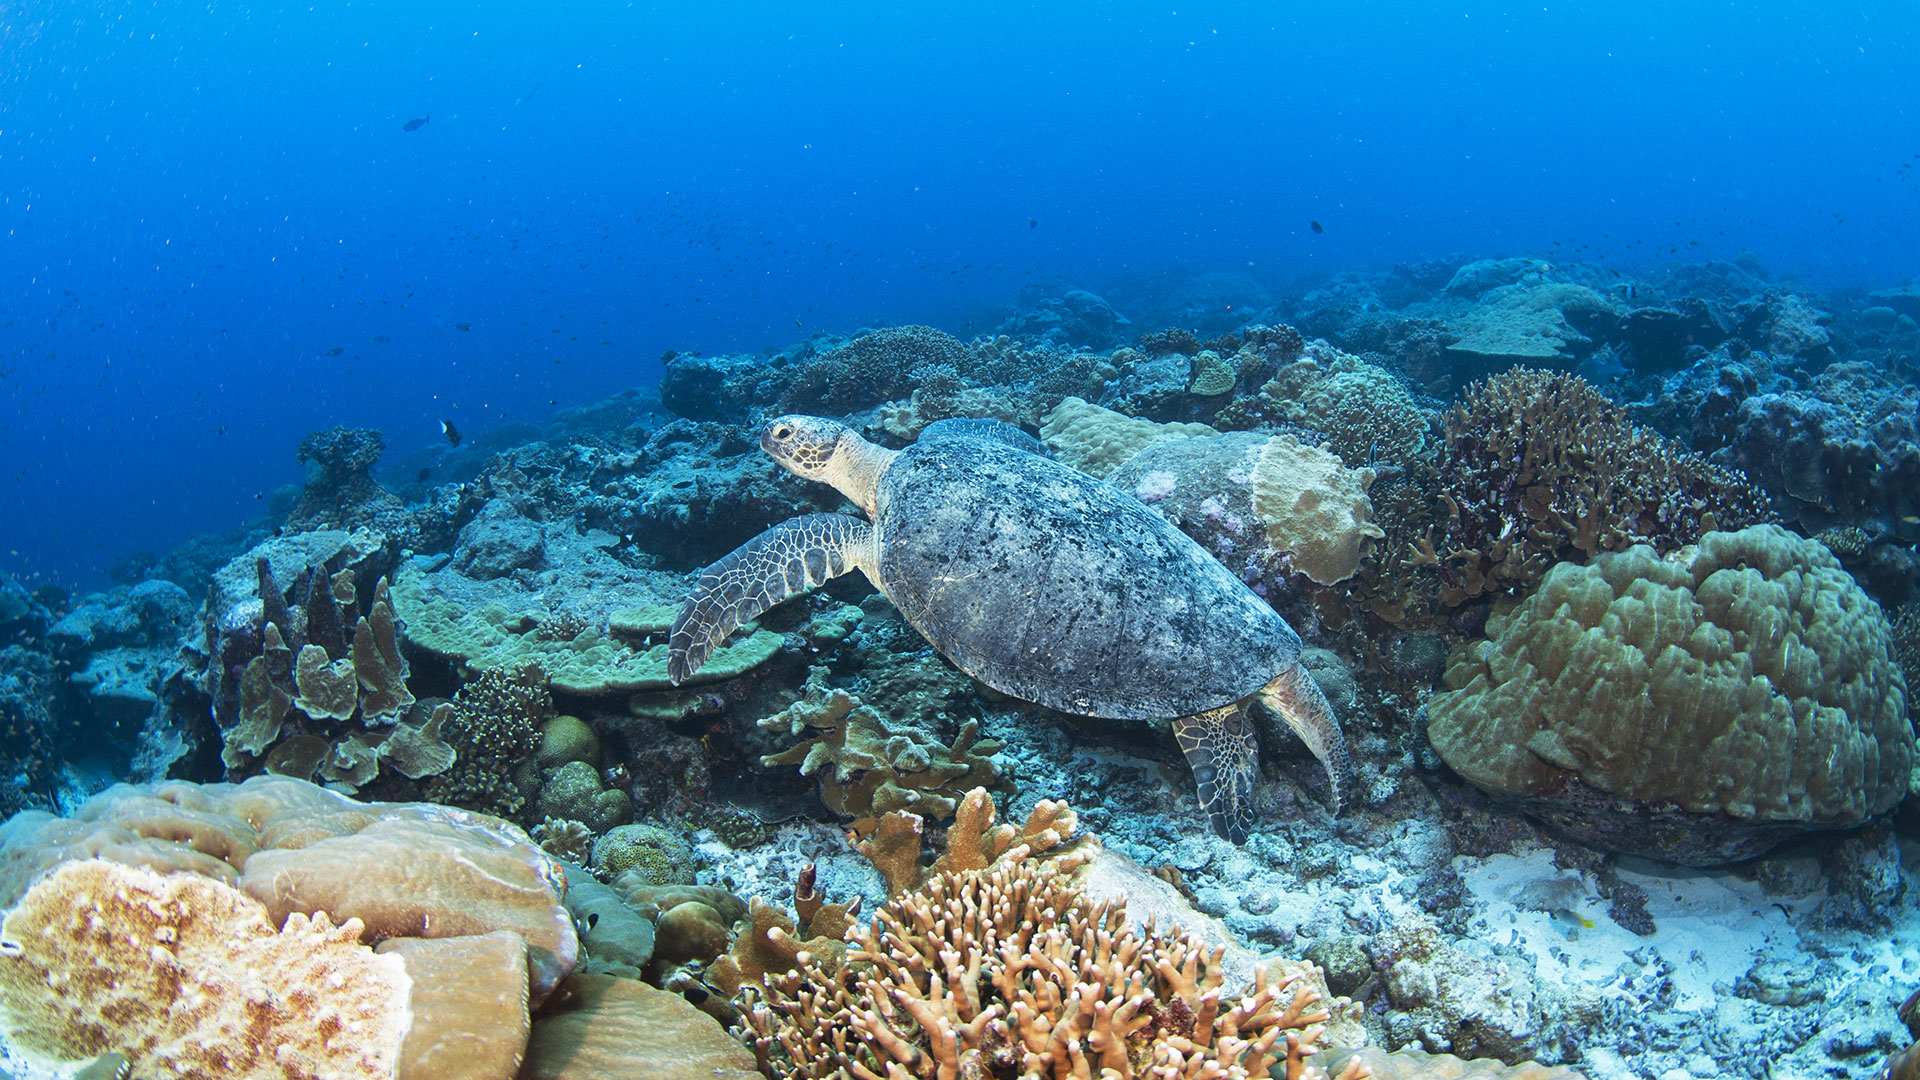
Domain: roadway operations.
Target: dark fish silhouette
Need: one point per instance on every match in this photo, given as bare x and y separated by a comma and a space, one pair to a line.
422, 478
452, 433
463, 326
1316, 226
415, 124
335, 351
1033, 223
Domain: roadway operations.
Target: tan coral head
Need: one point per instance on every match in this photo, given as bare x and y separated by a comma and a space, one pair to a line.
804, 445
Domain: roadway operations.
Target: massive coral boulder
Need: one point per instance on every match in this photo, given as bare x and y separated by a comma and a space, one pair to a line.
187, 976
1697, 708
1548, 324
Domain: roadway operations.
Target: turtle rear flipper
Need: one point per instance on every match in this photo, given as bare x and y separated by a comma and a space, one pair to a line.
782, 562
1297, 700
1221, 749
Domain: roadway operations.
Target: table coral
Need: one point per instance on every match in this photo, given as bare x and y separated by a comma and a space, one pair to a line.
1539, 468
1696, 708
504, 634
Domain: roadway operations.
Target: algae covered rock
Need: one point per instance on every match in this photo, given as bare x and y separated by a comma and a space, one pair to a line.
1697, 708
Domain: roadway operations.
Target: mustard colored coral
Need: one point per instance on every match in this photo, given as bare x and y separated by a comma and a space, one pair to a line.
1748, 676
187, 977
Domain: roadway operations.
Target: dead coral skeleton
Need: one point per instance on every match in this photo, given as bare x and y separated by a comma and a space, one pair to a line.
990, 972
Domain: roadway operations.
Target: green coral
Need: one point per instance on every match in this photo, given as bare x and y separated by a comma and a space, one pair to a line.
653, 855
624, 659
573, 791
1748, 679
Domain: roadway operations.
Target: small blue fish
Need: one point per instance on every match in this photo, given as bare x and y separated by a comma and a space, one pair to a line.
415, 124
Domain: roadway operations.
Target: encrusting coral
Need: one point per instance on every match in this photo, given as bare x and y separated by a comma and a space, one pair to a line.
1697, 708
1540, 468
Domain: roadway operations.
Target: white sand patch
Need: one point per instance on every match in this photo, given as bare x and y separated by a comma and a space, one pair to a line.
1710, 926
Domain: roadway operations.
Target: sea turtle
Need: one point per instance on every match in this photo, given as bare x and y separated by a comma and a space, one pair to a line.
1039, 581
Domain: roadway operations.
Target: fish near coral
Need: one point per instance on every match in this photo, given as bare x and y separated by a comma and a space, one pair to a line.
1039, 581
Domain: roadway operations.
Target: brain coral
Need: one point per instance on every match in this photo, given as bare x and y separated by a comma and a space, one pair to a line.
1697, 708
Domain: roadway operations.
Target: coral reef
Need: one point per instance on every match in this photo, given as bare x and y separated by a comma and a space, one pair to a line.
1035, 978
1697, 708
340, 491
1540, 468
1365, 413
867, 767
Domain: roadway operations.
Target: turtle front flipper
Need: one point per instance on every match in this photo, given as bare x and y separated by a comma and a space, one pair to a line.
1297, 700
1224, 755
782, 562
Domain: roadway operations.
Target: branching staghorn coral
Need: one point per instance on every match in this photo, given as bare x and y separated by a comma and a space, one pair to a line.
1012, 968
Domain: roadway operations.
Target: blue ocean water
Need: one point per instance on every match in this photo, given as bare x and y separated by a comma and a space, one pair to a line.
217, 232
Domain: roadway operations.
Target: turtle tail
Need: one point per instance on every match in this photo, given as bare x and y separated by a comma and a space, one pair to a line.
1297, 700
782, 562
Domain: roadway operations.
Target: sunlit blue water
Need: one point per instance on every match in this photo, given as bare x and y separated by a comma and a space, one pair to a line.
216, 234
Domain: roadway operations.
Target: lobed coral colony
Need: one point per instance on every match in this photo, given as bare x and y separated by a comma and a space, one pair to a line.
1611, 595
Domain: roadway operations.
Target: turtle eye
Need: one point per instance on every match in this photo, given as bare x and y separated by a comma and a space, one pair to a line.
783, 432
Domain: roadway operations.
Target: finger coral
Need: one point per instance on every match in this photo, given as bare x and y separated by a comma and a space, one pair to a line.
1012, 969
1697, 708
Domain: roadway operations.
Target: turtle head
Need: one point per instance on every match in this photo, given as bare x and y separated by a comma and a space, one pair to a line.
828, 451
805, 445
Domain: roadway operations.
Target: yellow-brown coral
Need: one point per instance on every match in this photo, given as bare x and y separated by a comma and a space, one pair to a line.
186, 976
1540, 468
875, 768
1012, 969
1748, 678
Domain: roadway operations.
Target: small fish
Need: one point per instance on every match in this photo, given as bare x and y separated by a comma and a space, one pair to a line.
1317, 227
422, 478
462, 326
382, 338
796, 320
1033, 223
452, 433
415, 124
111, 1065
335, 351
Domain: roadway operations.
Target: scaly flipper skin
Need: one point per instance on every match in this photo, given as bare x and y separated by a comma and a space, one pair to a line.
782, 562
1224, 755
1296, 699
